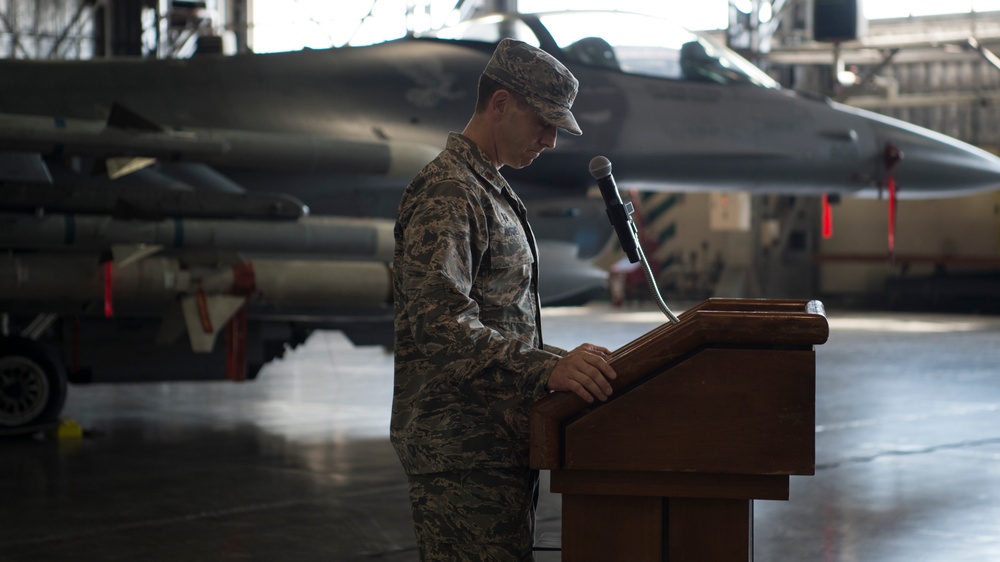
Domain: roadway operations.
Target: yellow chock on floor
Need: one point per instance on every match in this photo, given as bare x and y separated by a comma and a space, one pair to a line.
69, 429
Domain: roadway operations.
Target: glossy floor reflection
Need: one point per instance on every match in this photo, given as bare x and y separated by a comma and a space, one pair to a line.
296, 465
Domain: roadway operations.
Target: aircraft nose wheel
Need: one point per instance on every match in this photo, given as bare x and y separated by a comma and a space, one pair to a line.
32, 384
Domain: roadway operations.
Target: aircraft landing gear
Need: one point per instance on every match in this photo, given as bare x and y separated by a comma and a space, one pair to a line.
32, 384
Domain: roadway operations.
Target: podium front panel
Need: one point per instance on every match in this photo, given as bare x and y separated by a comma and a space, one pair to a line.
736, 411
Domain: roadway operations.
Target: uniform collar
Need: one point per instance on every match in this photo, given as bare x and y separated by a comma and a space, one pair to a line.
477, 159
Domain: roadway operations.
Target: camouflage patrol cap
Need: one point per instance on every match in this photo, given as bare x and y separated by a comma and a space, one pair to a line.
549, 87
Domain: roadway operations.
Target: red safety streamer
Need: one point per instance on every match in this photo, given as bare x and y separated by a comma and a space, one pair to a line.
827, 218
236, 346
109, 309
892, 215
206, 319
244, 283
891, 157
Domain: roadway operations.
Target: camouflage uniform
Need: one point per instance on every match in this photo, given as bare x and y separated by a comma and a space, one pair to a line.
468, 345
469, 356
483, 515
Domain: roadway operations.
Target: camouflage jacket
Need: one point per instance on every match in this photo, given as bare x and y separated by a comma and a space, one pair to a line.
469, 356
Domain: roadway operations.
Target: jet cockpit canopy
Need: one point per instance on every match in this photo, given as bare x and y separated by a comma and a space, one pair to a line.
622, 41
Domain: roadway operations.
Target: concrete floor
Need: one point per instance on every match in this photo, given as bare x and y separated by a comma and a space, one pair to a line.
296, 465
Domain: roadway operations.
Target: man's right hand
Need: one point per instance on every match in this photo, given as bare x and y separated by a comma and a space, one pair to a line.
585, 372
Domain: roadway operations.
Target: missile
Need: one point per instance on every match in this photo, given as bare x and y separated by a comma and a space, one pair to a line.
326, 236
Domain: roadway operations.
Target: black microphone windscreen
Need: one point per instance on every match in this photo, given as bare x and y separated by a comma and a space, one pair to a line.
600, 167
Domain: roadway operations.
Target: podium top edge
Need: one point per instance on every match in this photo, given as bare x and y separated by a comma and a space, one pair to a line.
751, 321
816, 307
761, 305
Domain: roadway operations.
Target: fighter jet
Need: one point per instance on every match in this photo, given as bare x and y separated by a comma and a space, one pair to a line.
253, 195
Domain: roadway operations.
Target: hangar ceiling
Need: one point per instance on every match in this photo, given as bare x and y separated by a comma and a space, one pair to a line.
82, 29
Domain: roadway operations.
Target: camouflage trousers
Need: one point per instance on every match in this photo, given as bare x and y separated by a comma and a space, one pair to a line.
484, 515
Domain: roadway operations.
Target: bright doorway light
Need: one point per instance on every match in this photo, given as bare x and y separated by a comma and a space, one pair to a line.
281, 25
707, 14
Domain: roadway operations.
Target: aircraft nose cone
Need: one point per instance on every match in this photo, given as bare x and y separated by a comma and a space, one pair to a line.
933, 164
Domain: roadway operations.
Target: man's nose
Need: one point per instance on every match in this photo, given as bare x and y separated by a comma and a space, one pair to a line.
549, 137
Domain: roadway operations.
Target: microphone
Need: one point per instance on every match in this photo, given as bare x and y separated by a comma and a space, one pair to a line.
620, 215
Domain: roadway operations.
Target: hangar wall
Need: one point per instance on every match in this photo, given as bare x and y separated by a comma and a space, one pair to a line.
976, 121
957, 236
923, 71
686, 248
937, 79
681, 247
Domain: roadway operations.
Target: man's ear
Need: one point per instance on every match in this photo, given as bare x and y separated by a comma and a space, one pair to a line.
500, 101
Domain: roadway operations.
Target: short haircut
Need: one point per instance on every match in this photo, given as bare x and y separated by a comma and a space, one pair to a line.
488, 87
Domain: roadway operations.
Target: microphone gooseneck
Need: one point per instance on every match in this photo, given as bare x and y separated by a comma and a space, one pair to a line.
621, 218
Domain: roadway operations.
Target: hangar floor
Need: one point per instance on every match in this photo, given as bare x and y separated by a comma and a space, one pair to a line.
296, 465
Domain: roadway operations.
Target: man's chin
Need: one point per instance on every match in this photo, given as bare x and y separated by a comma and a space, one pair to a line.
526, 162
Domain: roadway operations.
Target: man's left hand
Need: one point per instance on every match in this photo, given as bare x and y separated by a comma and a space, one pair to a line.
584, 371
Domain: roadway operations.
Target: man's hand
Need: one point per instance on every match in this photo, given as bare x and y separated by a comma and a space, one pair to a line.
584, 371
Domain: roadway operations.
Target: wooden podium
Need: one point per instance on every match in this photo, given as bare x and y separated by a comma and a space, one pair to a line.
707, 415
